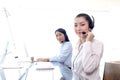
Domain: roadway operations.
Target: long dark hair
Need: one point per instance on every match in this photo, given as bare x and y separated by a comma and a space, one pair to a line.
64, 32
87, 17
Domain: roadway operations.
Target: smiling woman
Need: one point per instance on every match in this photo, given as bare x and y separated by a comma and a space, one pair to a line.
88, 51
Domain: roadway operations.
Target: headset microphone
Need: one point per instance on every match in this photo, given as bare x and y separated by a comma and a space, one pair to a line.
83, 32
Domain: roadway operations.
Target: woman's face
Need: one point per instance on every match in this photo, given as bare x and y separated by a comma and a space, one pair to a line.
60, 36
81, 25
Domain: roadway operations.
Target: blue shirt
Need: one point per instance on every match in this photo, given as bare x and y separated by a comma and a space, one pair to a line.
64, 55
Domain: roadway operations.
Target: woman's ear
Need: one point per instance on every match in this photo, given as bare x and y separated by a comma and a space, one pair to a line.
89, 29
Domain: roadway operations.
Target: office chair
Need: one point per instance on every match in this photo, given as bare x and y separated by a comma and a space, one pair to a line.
112, 71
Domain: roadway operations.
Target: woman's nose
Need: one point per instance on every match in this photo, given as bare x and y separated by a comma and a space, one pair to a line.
78, 28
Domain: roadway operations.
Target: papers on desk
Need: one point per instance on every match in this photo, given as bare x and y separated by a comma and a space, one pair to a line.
16, 64
12, 64
44, 66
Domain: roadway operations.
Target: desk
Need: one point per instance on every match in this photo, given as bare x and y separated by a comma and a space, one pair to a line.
41, 70
13, 71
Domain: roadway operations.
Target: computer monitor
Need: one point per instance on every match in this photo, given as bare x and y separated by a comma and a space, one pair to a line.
3, 55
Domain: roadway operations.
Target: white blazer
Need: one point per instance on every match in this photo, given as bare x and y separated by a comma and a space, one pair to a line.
86, 60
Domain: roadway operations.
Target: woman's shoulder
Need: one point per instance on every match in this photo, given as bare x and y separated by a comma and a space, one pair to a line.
68, 43
97, 42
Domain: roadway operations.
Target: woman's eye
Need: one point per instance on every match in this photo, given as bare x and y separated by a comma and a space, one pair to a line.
82, 24
75, 25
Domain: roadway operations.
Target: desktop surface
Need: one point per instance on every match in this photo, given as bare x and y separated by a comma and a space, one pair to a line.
39, 70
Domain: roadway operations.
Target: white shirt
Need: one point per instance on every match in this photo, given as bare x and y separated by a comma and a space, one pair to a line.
86, 60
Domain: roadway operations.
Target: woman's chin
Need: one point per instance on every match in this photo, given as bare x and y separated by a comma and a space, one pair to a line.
61, 41
80, 36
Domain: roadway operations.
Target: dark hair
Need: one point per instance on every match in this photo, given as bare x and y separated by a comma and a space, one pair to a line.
64, 32
87, 17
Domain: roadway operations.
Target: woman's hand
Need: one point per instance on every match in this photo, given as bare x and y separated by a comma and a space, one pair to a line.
90, 36
43, 59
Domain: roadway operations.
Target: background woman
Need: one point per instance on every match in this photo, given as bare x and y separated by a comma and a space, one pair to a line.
64, 57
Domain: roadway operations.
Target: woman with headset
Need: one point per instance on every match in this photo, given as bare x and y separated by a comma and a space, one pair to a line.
88, 51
